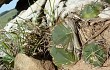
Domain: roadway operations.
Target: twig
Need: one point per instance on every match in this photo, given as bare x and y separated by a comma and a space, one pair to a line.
98, 32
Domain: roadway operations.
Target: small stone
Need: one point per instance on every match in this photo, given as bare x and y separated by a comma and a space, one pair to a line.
23, 62
105, 13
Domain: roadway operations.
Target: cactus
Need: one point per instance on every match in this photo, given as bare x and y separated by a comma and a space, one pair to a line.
61, 35
94, 54
62, 57
91, 10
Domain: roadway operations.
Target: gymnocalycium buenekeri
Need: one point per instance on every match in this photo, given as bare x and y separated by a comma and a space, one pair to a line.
94, 54
62, 57
91, 10
62, 35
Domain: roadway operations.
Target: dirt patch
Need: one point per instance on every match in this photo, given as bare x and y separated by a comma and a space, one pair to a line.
81, 65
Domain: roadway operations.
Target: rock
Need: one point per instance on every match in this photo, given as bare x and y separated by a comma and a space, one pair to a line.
23, 62
51, 8
26, 15
105, 13
63, 7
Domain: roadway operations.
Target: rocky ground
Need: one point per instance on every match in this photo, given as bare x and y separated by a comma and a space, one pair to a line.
91, 30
